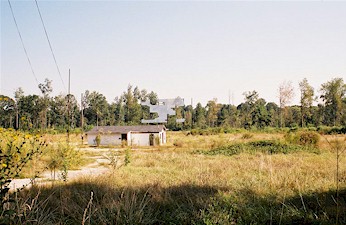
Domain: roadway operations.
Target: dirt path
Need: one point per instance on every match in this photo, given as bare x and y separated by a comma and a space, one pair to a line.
98, 167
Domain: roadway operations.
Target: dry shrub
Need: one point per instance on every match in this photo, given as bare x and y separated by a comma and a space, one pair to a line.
178, 143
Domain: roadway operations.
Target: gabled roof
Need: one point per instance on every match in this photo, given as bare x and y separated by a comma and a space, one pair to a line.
126, 129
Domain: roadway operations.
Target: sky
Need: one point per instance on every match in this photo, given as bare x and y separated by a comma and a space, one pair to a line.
198, 50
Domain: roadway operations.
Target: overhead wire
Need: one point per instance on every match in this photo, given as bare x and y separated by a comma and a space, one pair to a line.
21, 39
50, 46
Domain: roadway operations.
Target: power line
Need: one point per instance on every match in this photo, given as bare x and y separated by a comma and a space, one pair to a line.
50, 46
21, 39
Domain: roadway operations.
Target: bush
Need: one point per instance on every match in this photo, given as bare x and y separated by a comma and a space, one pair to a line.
127, 158
63, 157
98, 140
304, 138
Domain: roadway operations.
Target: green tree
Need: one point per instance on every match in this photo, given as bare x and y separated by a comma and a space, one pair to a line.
152, 96
29, 108
212, 110
131, 105
119, 111
96, 108
333, 95
188, 115
273, 113
199, 116
259, 114
306, 100
247, 108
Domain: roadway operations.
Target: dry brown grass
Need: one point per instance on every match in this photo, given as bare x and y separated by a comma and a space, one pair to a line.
183, 184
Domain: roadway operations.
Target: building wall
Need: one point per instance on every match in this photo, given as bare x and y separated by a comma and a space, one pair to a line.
139, 139
106, 139
143, 139
133, 139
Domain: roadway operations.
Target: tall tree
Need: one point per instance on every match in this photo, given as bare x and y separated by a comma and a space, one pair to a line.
212, 110
246, 108
153, 98
306, 100
46, 89
131, 105
333, 95
96, 108
29, 108
199, 116
286, 93
274, 114
259, 114
18, 94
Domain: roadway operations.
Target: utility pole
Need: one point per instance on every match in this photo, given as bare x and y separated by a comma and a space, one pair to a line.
68, 108
192, 113
17, 117
82, 116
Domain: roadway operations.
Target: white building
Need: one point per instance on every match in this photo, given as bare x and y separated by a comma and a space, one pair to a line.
144, 135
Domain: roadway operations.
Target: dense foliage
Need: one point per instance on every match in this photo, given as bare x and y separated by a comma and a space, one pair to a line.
46, 112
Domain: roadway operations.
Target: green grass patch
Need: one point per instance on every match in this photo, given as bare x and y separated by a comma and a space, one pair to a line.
263, 146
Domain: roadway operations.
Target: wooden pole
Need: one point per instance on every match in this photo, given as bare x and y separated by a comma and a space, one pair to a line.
68, 107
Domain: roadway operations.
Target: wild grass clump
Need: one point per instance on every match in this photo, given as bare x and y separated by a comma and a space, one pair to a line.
247, 136
178, 143
110, 204
263, 146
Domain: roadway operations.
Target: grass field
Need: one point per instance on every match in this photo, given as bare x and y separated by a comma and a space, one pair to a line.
202, 180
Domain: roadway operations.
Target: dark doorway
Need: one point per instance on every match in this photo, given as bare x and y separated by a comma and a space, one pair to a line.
151, 139
124, 137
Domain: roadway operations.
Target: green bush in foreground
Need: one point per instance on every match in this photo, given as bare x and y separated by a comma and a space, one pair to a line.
16, 151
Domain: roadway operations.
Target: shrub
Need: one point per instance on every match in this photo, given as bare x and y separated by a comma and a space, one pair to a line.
305, 138
127, 159
98, 140
63, 157
308, 138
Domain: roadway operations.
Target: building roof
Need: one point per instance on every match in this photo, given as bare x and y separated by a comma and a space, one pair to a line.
126, 129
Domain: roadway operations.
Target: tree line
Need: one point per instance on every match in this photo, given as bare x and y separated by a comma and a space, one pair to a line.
44, 111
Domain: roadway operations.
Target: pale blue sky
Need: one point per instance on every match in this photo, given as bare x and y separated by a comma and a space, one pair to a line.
198, 50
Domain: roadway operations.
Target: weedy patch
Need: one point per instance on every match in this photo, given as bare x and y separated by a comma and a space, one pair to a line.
263, 146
